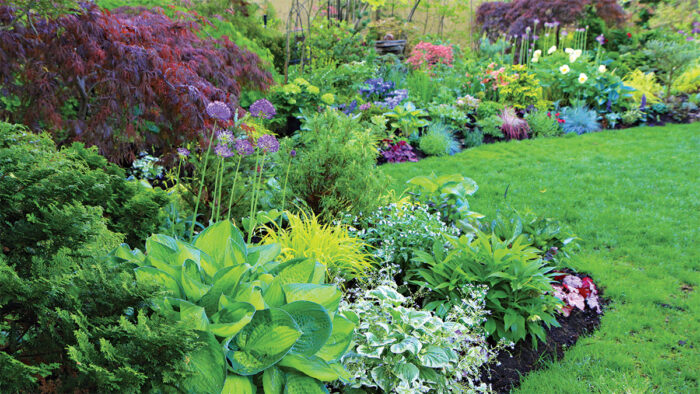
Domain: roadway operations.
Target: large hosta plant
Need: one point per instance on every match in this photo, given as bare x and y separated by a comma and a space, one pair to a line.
263, 324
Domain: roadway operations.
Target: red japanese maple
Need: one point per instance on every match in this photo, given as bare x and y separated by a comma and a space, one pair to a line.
122, 80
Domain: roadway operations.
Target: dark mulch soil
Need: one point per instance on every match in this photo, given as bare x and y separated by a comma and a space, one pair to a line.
517, 362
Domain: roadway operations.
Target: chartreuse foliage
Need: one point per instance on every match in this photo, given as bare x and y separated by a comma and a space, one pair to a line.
265, 324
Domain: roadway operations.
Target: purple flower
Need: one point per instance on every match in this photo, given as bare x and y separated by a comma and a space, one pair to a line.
535, 37
219, 110
224, 136
244, 147
600, 39
564, 33
681, 32
263, 109
696, 30
365, 106
293, 153
643, 105
536, 21
376, 88
223, 151
689, 38
268, 143
183, 152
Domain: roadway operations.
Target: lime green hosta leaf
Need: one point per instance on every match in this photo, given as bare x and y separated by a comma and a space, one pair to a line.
225, 281
265, 253
263, 342
315, 367
409, 344
315, 324
424, 182
191, 281
273, 380
299, 270
300, 384
327, 295
208, 367
124, 253
153, 275
224, 243
231, 319
406, 371
236, 384
339, 341
251, 293
194, 316
274, 295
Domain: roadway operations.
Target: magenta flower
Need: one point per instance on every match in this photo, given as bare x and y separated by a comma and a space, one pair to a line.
268, 143
600, 39
293, 153
219, 110
244, 147
365, 106
263, 109
183, 152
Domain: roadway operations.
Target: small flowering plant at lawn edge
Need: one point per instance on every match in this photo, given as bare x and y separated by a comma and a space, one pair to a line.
576, 292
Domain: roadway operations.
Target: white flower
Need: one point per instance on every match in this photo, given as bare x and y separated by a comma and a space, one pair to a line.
578, 52
572, 58
535, 59
569, 51
537, 53
564, 69
582, 78
602, 68
552, 50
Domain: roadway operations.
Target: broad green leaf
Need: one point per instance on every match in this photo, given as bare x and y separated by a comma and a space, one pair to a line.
406, 371
296, 271
327, 295
208, 367
190, 279
151, 275
263, 342
273, 380
223, 242
274, 295
382, 377
252, 294
194, 316
409, 344
266, 253
434, 357
236, 384
417, 319
230, 320
315, 324
300, 384
312, 366
424, 182
339, 341
225, 281
388, 294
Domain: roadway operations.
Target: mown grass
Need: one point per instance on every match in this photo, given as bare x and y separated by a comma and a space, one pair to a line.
633, 196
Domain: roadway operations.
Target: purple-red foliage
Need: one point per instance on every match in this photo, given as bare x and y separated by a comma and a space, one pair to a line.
512, 126
126, 71
513, 18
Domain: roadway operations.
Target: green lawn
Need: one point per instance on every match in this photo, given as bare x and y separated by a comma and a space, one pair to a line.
633, 196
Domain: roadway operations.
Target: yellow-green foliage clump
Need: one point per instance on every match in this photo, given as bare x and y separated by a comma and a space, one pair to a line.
330, 245
644, 85
689, 81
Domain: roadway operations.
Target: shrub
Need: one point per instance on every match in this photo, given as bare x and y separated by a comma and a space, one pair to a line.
491, 126
334, 246
689, 81
54, 198
518, 283
127, 88
644, 84
261, 322
579, 119
670, 58
438, 140
521, 89
512, 126
631, 116
395, 231
542, 124
473, 137
336, 169
486, 109
426, 54
397, 152
402, 349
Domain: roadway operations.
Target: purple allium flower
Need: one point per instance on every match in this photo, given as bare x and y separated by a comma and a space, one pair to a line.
224, 136
556, 23
268, 143
600, 39
244, 147
643, 104
263, 109
681, 32
535, 37
689, 38
365, 106
219, 110
564, 33
696, 30
223, 150
183, 152
293, 153
536, 21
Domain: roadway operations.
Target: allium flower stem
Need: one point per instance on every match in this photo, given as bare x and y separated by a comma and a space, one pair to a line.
252, 197
217, 190
177, 185
286, 177
233, 188
201, 183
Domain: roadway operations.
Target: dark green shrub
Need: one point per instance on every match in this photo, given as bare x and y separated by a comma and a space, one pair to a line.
438, 140
335, 170
48, 196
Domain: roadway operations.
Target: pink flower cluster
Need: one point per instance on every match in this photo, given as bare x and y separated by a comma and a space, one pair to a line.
576, 292
427, 54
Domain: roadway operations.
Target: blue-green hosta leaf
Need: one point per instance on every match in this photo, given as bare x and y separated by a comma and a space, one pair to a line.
263, 342
406, 371
230, 320
327, 295
236, 384
300, 384
339, 341
296, 271
274, 295
208, 367
194, 316
225, 281
409, 344
273, 380
224, 243
387, 294
265, 253
191, 281
315, 324
434, 357
314, 366
153, 275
